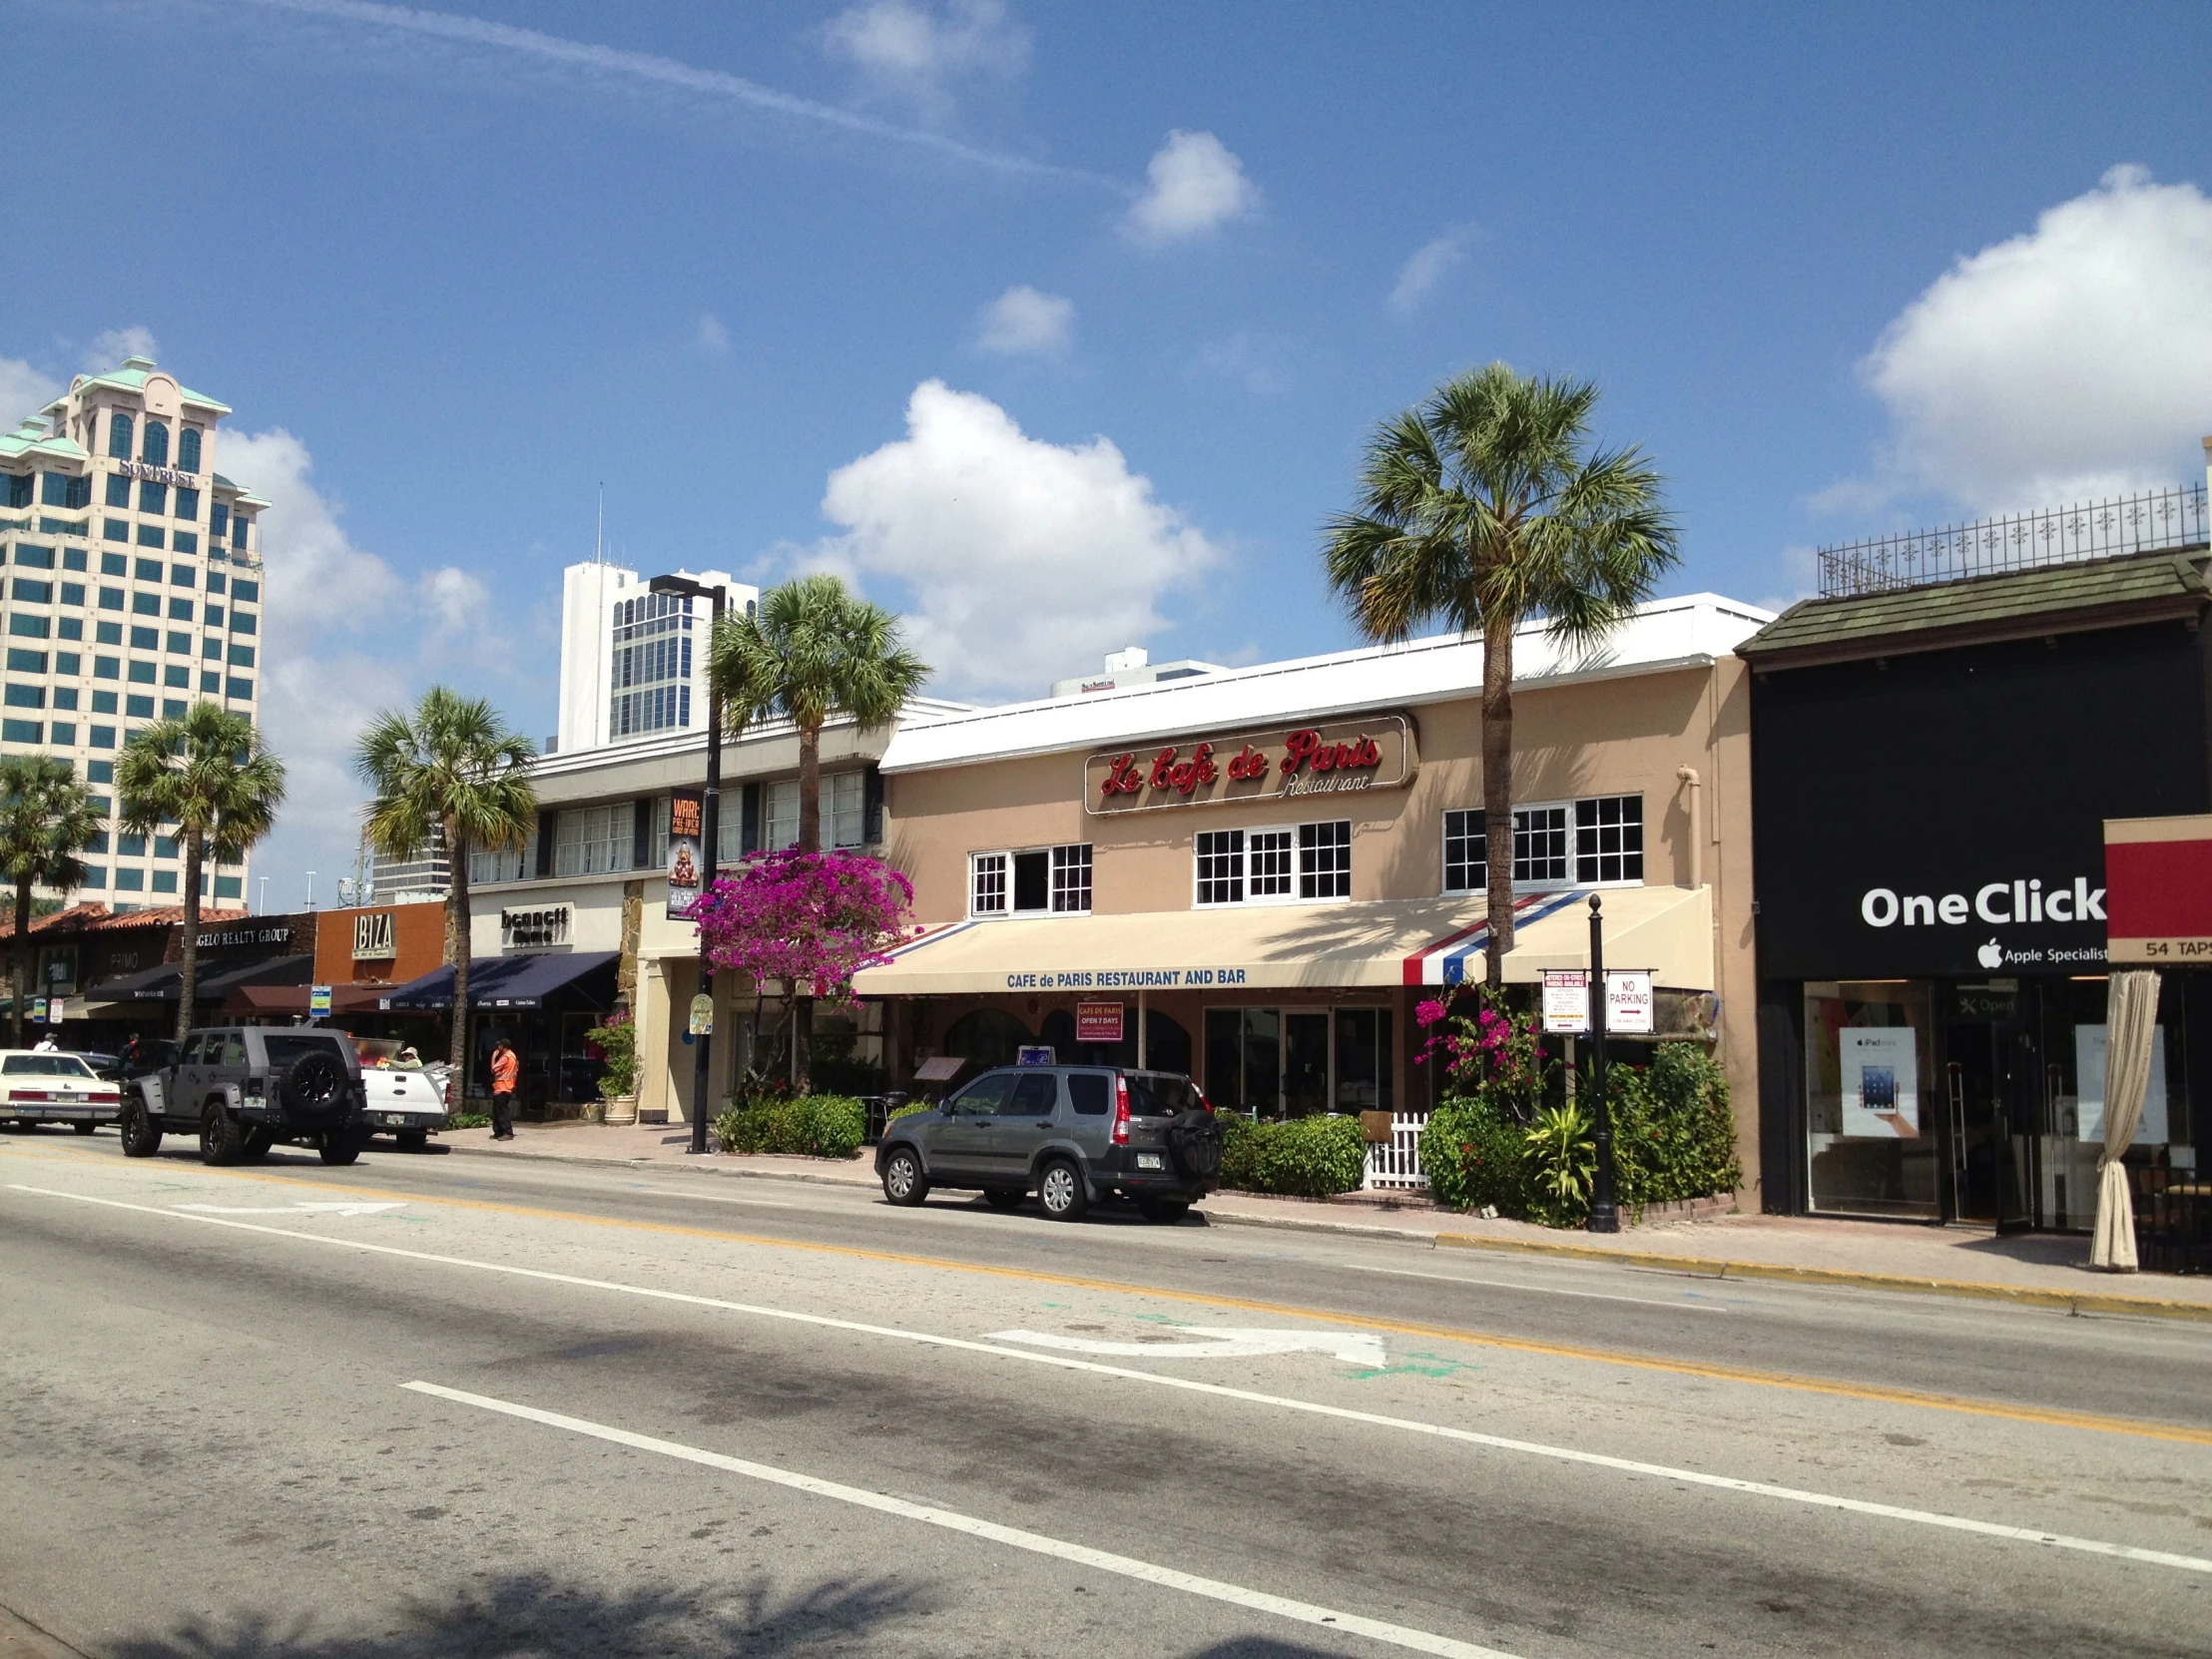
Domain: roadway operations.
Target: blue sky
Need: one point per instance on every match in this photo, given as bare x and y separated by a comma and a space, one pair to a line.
1062, 379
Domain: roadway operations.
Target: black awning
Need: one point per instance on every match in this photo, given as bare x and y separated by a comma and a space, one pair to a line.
503, 981
159, 983
270, 970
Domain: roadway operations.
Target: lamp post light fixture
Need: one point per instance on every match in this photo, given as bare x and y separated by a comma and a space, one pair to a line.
1605, 1216
710, 836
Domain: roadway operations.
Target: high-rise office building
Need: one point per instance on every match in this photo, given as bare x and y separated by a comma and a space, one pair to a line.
134, 589
634, 662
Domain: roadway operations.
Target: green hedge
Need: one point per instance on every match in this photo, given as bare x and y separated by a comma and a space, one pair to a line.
810, 1125
1303, 1157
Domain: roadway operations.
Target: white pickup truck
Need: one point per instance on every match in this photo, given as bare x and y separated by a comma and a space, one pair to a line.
406, 1100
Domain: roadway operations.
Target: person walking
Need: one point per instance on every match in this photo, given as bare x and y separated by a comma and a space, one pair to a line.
506, 1069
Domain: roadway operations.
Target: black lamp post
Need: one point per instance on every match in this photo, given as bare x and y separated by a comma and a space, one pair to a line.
710, 834
1605, 1216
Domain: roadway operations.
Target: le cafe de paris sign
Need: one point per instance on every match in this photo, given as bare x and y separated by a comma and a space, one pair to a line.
1372, 753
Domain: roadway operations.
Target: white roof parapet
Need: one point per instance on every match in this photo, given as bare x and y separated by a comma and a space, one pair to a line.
1668, 634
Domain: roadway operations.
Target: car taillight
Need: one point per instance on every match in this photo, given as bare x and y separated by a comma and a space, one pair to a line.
1121, 1111
105, 1097
30, 1094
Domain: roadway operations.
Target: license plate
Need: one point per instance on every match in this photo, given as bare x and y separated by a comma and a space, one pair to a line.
394, 1120
1149, 1160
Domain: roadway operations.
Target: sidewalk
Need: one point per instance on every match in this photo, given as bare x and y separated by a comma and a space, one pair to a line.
2039, 1270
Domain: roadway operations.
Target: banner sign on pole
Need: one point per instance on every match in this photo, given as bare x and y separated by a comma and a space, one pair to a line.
1567, 1000
687, 811
1628, 1000
1100, 1022
318, 1002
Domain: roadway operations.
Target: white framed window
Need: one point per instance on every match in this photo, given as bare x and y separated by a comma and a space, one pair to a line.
504, 865
780, 815
1031, 882
591, 840
1593, 843
843, 811
1273, 866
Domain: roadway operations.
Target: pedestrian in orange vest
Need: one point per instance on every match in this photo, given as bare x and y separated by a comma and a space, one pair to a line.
506, 1068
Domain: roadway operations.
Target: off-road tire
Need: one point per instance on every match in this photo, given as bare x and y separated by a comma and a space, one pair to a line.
1004, 1198
904, 1182
310, 1085
142, 1136
339, 1146
412, 1140
258, 1139
1061, 1191
1164, 1209
222, 1137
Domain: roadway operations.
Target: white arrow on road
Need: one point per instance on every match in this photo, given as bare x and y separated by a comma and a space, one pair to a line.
293, 1209
1220, 1342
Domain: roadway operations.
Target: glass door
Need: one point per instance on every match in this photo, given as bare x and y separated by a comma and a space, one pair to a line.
1992, 1093
1305, 1062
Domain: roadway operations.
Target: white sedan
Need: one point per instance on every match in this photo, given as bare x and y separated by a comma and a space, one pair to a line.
38, 1088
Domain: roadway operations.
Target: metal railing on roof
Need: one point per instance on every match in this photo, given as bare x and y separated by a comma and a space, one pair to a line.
2163, 520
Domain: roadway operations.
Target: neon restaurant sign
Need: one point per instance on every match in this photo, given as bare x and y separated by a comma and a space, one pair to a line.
1376, 752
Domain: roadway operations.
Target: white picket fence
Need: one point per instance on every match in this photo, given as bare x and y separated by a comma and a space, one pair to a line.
1395, 1163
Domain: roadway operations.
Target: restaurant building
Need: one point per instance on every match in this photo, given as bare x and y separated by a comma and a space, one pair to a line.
1254, 874
1936, 744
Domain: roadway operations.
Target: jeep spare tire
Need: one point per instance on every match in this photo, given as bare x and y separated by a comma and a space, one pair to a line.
1194, 1143
312, 1086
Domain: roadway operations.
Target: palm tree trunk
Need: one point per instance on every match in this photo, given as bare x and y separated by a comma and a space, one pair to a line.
1498, 788
22, 956
187, 989
809, 841
457, 948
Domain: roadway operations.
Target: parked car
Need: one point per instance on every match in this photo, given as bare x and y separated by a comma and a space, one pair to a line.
244, 1088
406, 1099
1070, 1133
54, 1088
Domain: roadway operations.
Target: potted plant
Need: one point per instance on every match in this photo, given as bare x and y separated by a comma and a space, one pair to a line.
616, 1040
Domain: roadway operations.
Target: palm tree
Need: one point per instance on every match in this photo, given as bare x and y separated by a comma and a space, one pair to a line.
46, 819
1488, 506
812, 650
212, 776
455, 767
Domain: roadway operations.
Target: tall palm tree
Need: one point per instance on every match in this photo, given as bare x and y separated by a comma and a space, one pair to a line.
452, 766
46, 819
1489, 506
813, 649
212, 776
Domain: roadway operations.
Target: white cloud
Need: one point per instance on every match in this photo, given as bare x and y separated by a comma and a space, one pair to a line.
710, 336
345, 636
1428, 266
2066, 363
1026, 319
916, 51
108, 349
1196, 183
23, 391
1023, 557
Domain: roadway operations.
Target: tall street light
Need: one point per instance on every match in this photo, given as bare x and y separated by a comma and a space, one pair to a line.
710, 834
1605, 1216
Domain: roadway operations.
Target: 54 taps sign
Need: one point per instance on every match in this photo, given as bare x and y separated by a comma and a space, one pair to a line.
1372, 754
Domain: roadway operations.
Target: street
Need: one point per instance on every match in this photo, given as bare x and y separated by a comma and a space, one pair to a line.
450, 1405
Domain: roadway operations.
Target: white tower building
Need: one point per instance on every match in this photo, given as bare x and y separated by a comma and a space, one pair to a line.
633, 663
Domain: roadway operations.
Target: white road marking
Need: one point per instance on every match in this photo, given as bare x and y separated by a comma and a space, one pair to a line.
290, 1209
1220, 1390
1224, 1342
1037, 1543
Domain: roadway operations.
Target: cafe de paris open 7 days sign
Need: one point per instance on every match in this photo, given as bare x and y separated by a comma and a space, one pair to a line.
1372, 753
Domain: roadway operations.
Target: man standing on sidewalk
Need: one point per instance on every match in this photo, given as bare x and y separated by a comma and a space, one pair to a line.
506, 1069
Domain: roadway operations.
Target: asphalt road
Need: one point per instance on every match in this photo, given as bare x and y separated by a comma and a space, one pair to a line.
465, 1406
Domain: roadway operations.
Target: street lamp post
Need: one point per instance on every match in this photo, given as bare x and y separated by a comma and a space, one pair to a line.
1605, 1216
710, 832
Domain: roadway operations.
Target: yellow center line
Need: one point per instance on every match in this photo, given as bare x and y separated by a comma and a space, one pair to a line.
2052, 1417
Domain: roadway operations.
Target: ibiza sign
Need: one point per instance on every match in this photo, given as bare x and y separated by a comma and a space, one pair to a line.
1372, 754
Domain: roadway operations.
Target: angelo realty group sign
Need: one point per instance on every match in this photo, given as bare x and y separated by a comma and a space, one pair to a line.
1376, 753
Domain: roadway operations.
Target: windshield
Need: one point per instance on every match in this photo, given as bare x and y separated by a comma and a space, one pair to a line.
1162, 1094
287, 1046
44, 1065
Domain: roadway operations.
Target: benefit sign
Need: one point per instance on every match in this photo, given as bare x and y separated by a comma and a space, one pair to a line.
1375, 753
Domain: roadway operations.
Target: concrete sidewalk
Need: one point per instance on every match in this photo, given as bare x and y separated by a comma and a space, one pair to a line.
2041, 1270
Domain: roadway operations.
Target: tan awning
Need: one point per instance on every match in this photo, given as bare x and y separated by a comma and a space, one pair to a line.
1418, 941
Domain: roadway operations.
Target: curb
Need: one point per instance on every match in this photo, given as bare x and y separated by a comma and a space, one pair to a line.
1699, 1266
687, 1167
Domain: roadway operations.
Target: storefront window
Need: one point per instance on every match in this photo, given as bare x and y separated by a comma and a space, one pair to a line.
1870, 1107
1293, 1062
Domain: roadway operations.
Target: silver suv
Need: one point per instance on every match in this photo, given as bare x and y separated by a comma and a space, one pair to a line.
1070, 1133
244, 1088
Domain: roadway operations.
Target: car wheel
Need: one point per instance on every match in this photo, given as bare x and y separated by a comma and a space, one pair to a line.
339, 1146
1004, 1198
84, 1128
258, 1141
220, 1140
1060, 1190
142, 1136
412, 1140
1164, 1209
904, 1182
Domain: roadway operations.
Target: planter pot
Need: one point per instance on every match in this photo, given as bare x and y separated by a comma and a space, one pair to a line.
622, 1108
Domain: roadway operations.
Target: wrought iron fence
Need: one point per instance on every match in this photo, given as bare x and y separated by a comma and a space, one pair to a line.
2151, 523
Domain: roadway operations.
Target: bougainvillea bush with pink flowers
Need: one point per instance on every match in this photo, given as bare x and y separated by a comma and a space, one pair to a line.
811, 919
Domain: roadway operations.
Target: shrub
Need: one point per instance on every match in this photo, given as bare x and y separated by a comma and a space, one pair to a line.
467, 1120
908, 1110
810, 1125
1308, 1157
1476, 1155
617, 1040
1674, 1135
1561, 1157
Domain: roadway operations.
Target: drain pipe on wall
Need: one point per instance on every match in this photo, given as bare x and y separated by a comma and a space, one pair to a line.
1689, 776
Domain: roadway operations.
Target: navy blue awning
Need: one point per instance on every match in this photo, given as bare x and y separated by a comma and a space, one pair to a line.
501, 982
